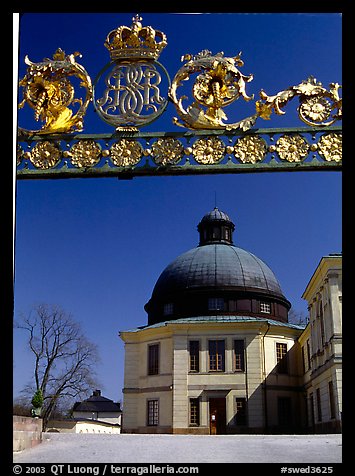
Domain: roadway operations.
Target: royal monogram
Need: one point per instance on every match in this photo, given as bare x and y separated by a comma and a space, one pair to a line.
132, 95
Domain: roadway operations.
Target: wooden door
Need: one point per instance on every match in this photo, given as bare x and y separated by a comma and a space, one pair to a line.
217, 416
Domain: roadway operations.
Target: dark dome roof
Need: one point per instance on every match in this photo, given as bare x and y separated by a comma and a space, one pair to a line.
216, 266
215, 269
216, 214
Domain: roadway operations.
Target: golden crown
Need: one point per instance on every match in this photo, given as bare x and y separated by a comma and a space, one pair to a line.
137, 42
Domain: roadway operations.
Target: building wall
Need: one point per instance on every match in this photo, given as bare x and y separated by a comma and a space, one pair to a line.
323, 380
73, 426
175, 385
27, 432
306, 398
108, 417
139, 387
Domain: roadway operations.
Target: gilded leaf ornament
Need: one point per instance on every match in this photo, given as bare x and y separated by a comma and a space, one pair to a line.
167, 151
208, 151
126, 152
85, 153
330, 147
49, 91
45, 155
292, 148
317, 105
250, 149
218, 83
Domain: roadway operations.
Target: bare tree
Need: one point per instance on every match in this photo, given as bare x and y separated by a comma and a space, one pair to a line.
297, 317
64, 359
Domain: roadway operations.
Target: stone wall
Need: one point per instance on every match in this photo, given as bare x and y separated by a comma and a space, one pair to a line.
27, 432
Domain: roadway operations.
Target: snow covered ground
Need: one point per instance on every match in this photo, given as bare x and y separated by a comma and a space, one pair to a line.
126, 448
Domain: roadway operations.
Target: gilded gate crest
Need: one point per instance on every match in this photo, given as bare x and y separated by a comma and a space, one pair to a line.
133, 89
132, 96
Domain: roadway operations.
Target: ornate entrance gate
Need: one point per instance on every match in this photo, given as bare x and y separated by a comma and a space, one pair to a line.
134, 89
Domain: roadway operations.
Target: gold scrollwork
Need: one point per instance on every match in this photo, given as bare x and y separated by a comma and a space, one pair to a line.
167, 151
85, 153
48, 90
208, 151
330, 147
125, 153
292, 148
250, 149
45, 155
315, 102
218, 84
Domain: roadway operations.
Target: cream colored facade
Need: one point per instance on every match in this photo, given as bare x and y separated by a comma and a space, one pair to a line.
306, 397
260, 384
82, 426
321, 345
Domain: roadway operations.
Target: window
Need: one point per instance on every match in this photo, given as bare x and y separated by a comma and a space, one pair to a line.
303, 361
311, 404
319, 407
153, 359
281, 358
240, 417
265, 307
216, 233
215, 304
239, 355
194, 356
152, 412
331, 399
216, 355
168, 309
321, 318
194, 411
308, 354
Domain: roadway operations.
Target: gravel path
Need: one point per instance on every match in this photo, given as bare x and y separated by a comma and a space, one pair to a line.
126, 448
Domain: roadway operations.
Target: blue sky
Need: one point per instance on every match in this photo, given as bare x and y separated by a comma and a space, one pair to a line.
97, 246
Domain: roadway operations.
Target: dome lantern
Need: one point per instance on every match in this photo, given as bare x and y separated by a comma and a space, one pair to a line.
216, 227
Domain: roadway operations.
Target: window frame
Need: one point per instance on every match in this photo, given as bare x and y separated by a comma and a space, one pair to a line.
153, 413
319, 405
281, 358
194, 404
168, 309
244, 411
332, 408
241, 354
194, 357
265, 307
153, 361
219, 355
215, 304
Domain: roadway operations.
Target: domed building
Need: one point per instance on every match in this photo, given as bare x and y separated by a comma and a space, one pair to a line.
218, 354
216, 276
